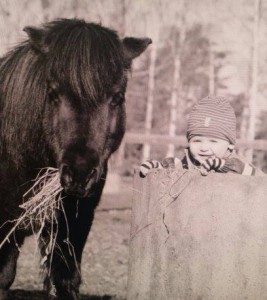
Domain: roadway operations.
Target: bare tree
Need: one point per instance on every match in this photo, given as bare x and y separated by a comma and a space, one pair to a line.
254, 77
150, 97
154, 21
45, 6
211, 71
176, 93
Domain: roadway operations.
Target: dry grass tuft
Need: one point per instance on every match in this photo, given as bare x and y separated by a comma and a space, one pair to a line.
44, 200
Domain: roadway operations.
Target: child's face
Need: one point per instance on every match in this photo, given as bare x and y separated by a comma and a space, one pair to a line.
202, 147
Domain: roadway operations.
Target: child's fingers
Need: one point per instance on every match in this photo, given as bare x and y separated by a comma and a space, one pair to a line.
170, 162
208, 164
218, 163
213, 163
204, 171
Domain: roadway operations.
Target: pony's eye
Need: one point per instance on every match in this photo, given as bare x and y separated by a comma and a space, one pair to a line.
53, 91
53, 96
117, 99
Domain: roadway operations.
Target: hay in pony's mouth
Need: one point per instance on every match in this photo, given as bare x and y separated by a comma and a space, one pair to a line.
45, 198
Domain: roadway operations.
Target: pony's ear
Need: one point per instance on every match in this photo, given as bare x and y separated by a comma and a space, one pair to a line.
133, 47
36, 37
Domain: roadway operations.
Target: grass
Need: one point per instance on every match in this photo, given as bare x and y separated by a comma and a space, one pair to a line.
43, 199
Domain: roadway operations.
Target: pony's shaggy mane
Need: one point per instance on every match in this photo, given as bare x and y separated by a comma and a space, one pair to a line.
22, 99
88, 74
82, 74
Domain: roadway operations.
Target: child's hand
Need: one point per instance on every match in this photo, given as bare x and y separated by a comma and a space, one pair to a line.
169, 162
230, 165
147, 166
212, 163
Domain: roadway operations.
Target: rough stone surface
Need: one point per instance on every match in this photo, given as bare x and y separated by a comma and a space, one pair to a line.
195, 237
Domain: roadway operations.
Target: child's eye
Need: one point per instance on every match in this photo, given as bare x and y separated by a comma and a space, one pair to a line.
214, 141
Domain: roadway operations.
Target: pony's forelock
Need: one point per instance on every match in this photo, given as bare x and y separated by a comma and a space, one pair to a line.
88, 74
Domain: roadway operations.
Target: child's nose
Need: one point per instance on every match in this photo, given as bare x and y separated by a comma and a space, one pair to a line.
204, 146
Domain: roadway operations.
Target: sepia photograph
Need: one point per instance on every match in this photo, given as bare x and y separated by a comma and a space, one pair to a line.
133, 149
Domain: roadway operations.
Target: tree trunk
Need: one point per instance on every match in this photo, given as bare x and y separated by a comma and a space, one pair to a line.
150, 98
176, 95
211, 72
173, 105
254, 78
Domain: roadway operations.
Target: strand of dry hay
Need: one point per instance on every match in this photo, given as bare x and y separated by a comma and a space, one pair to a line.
40, 208
45, 199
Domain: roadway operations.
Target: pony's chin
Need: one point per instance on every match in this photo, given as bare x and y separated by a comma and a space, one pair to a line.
77, 193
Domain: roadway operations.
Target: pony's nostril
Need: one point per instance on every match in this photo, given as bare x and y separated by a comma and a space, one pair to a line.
66, 176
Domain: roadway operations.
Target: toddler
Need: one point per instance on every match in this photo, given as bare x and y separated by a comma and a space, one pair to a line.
211, 135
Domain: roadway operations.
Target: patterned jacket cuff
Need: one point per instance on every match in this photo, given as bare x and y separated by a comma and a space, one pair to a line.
248, 170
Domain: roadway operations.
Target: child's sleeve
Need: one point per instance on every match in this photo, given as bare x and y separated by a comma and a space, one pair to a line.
169, 162
238, 166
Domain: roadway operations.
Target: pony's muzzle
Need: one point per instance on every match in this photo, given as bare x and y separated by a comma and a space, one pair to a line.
77, 183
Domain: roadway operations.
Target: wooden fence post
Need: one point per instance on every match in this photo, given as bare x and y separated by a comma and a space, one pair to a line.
201, 238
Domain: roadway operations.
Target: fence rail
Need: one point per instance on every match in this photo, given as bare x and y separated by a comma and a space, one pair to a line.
159, 139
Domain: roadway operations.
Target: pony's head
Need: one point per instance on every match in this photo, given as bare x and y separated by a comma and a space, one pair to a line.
86, 75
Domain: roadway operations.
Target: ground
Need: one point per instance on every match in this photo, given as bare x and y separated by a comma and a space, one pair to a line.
105, 258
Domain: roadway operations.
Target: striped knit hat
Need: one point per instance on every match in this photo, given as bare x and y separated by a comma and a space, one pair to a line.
214, 117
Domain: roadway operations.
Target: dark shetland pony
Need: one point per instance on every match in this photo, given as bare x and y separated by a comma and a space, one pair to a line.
61, 105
